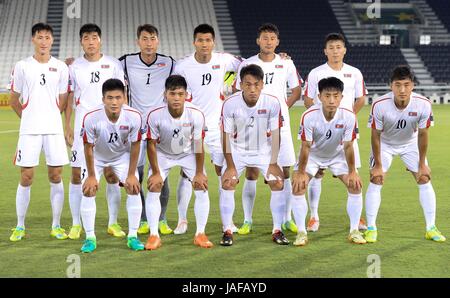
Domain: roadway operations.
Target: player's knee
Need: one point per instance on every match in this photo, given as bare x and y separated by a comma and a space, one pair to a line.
423, 180
276, 185
76, 177
301, 192
155, 188
376, 180
218, 170
26, 179
287, 172
251, 174
111, 178
54, 177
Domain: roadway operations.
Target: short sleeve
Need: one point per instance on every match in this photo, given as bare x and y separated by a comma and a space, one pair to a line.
199, 125
360, 86
275, 119
350, 129
88, 130
293, 77
375, 117
305, 130
136, 128
72, 80
426, 117
152, 127
17, 78
118, 72
311, 86
227, 119
232, 63
64, 79
237, 81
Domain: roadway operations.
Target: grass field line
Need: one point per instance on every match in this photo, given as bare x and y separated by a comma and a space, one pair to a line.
8, 131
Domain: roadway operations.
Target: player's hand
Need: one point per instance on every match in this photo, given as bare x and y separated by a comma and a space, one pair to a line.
230, 178
299, 182
275, 175
90, 186
284, 56
377, 175
68, 135
354, 181
132, 185
155, 182
200, 182
69, 61
424, 171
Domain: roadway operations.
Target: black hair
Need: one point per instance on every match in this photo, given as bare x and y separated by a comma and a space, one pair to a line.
253, 70
112, 85
331, 83
147, 28
268, 27
402, 72
90, 28
333, 37
175, 81
204, 28
41, 27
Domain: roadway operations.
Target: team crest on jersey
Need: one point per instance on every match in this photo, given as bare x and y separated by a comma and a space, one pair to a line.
279, 66
263, 111
105, 66
339, 125
161, 64
413, 114
187, 124
124, 127
52, 69
216, 66
347, 75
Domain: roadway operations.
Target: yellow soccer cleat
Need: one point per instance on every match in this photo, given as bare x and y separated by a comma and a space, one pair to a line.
164, 227
143, 228
356, 237
116, 230
59, 233
75, 232
435, 235
18, 234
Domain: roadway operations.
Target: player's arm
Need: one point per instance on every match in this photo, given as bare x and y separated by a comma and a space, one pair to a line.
230, 176
90, 186
132, 184
15, 104
62, 102
359, 104
155, 180
377, 171
68, 119
308, 101
300, 178
295, 95
424, 170
354, 182
200, 181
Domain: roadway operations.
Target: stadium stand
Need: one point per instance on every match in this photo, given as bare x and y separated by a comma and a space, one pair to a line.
441, 9
437, 60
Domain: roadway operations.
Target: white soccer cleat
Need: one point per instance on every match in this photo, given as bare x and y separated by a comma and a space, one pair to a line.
233, 229
181, 228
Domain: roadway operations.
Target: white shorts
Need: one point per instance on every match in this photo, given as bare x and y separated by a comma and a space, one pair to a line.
243, 162
286, 157
357, 156
213, 141
120, 168
77, 159
187, 164
142, 154
408, 153
29, 149
337, 165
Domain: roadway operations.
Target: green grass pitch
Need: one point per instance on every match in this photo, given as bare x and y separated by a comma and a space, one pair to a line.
402, 249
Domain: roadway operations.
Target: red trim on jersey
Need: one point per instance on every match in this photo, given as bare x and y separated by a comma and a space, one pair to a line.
25, 105
140, 126
85, 140
354, 130
302, 122
149, 135
77, 101
223, 105
364, 88
300, 79
204, 120
347, 110
222, 97
373, 125
306, 87
189, 98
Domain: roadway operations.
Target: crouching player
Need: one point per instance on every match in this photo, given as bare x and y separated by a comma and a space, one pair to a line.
112, 136
175, 133
327, 133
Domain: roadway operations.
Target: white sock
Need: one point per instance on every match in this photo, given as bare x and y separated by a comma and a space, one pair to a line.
201, 209
153, 211
428, 201
248, 198
300, 209
226, 204
57, 201
288, 195
314, 190
113, 197
134, 209
88, 209
278, 207
184, 192
373, 201
22, 202
354, 209
75, 194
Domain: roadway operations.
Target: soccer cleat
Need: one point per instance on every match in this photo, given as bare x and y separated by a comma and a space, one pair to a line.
246, 228
435, 235
227, 238
313, 225
143, 228
75, 232
279, 238
301, 240
18, 234
59, 233
153, 242
234, 229
181, 228
371, 235
202, 240
164, 227
290, 225
89, 245
135, 244
362, 224
116, 230
356, 237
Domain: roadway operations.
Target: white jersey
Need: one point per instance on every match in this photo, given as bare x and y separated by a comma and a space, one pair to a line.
327, 137
279, 74
354, 86
399, 127
40, 85
249, 126
111, 140
146, 81
176, 136
205, 83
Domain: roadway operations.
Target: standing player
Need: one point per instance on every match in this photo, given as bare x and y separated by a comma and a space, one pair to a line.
327, 132
400, 120
112, 136
175, 138
146, 73
247, 117
87, 75
204, 71
38, 95
354, 98
278, 75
